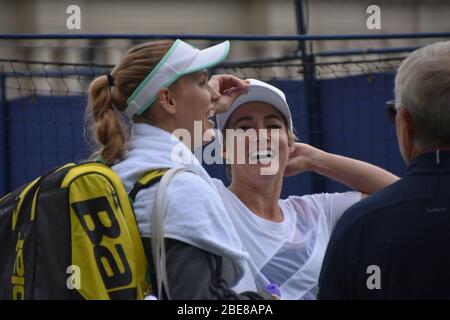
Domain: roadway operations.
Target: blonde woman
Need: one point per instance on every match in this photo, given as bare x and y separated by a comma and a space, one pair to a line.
286, 238
162, 86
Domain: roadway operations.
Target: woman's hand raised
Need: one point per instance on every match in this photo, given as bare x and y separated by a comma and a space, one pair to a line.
302, 159
229, 88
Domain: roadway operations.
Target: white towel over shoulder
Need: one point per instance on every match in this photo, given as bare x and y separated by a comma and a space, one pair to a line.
195, 213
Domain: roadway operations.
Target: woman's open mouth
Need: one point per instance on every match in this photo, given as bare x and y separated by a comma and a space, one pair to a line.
258, 155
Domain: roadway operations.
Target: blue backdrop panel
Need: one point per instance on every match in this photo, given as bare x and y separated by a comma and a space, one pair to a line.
46, 131
355, 123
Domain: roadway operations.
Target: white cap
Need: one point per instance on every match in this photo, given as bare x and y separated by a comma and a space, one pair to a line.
262, 92
181, 59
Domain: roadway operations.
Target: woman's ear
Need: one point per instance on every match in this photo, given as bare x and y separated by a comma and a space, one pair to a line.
291, 143
291, 147
166, 100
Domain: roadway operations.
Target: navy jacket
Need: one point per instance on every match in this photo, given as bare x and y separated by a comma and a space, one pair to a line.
395, 244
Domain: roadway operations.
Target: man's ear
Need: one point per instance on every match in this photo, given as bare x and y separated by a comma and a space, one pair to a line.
166, 100
409, 123
405, 133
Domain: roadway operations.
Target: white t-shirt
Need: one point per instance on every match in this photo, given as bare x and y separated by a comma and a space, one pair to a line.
290, 253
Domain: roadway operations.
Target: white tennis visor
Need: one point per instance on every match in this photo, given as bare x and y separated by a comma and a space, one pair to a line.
181, 59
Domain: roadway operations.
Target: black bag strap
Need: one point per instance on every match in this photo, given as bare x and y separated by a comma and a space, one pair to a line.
147, 180
30, 192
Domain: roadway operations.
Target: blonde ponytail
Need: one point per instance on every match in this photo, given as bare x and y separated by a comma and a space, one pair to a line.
108, 97
108, 129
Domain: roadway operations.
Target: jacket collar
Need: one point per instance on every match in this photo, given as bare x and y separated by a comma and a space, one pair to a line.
437, 161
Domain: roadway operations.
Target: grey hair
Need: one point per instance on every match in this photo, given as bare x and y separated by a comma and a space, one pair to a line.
422, 86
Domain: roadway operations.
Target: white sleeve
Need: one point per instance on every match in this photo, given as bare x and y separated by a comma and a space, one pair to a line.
335, 204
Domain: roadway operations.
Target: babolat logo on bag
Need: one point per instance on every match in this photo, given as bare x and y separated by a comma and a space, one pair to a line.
105, 242
17, 279
71, 234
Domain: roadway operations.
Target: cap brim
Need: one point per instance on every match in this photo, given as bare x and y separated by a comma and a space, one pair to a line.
209, 57
256, 93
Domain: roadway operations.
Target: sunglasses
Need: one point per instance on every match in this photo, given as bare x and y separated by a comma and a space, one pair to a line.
391, 110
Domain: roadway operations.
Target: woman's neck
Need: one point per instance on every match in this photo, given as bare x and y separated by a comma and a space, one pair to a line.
262, 199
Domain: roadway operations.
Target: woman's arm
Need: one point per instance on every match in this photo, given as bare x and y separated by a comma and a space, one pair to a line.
195, 274
358, 175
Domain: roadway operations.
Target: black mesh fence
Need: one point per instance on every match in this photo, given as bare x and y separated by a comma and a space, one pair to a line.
338, 104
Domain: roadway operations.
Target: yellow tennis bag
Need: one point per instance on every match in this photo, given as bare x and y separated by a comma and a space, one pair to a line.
72, 234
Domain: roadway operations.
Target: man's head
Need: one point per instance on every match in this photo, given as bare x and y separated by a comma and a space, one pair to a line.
422, 93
